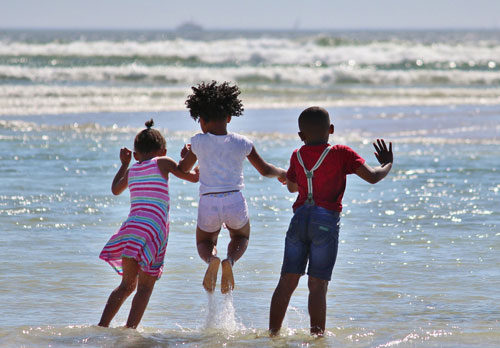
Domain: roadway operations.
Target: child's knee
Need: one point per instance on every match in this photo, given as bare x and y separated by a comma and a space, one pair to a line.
146, 283
127, 287
145, 289
288, 282
240, 239
317, 285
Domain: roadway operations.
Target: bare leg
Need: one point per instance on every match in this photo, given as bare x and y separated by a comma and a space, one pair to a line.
279, 303
120, 294
235, 249
239, 242
141, 299
317, 304
206, 243
227, 280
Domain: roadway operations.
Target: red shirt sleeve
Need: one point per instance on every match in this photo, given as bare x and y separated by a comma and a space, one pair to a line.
291, 174
352, 160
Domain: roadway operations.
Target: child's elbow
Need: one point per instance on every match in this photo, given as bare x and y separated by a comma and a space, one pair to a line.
181, 169
377, 177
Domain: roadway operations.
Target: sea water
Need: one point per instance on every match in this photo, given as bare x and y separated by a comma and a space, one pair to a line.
54, 72
418, 262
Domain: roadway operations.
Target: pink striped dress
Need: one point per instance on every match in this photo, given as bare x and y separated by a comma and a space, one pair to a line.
144, 235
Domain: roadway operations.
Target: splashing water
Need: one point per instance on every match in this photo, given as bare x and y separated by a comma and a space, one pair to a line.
221, 315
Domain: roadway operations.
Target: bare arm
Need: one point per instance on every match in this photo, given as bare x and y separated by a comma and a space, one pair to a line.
266, 169
384, 156
168, 165
120, 181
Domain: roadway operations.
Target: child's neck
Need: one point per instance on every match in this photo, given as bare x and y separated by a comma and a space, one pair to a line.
317, 142
145, 158
217, 128
142, 157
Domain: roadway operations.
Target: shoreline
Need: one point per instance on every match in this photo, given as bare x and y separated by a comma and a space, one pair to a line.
430, 103
269, 108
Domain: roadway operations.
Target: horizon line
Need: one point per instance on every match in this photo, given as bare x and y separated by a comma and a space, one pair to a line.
211, 29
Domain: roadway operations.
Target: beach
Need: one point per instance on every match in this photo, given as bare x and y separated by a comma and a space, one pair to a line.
418, 254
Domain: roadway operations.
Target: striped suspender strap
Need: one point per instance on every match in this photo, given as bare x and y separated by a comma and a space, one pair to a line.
310, 173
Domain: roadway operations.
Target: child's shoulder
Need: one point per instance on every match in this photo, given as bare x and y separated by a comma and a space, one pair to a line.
340, 147
343, 152
239, 137
235, 136
315, 150
321, 148
198, 136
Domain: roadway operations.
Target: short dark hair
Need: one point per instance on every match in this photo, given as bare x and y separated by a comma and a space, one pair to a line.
149, 140
211, 101
314, 119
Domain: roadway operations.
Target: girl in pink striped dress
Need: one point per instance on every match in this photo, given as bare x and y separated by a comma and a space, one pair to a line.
137, 250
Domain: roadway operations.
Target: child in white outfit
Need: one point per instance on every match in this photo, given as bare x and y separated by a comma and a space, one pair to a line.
220, 157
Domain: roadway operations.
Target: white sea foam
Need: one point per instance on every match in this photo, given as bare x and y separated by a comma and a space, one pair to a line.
297, 75
264, 50
59, 99
68, 74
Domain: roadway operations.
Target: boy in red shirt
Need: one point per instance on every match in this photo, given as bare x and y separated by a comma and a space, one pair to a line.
318, 172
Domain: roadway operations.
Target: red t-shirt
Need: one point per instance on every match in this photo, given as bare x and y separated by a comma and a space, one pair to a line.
329, 179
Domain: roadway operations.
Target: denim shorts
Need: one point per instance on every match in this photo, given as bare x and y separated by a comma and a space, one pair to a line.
313, 236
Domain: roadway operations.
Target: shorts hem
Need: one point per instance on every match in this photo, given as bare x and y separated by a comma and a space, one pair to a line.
237, 228
288, 272
204, 230
319, 276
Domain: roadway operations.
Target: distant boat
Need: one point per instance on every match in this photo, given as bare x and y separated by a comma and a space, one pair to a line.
189, 27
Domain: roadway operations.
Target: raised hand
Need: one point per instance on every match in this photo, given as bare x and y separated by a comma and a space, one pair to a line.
125, 156
185, 150
384, 155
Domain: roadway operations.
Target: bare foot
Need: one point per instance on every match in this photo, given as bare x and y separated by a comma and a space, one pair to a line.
227, 281
211, 275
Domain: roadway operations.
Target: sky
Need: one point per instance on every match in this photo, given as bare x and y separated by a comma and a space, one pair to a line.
250, 14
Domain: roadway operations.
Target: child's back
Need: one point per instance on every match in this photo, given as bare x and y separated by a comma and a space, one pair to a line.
329, 178
220, 160
220, 156
318, 172
137, 250
143, 236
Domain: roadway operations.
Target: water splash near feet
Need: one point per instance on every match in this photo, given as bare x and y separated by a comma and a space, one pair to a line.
221, 315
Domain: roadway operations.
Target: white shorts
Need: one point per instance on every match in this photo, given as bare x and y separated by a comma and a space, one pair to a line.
228, 208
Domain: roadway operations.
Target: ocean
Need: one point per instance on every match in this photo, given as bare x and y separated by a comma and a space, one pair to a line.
418, 262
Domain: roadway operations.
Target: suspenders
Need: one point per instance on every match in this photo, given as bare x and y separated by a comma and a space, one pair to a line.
310, 173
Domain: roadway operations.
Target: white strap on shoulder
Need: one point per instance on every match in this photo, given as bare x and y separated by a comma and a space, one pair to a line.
310, 173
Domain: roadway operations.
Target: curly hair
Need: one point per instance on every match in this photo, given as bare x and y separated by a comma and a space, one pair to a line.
210, 101
149, 140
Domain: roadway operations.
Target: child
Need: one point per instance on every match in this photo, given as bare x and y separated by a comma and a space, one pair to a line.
220, 158
137, 250
318, 172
